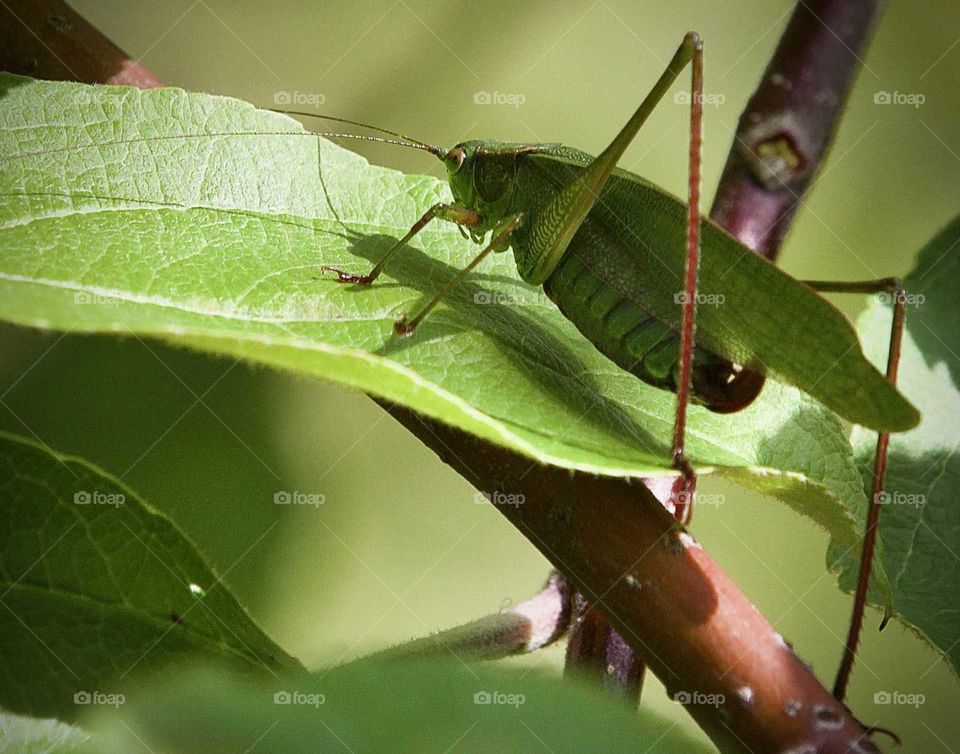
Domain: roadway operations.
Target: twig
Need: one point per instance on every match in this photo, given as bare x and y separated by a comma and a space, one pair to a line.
618, 546
596, 651
525, 627
47, 39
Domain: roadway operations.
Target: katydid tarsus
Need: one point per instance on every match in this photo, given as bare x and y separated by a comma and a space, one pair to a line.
622, 261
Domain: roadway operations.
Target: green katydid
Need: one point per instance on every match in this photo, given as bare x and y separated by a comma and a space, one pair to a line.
608, 249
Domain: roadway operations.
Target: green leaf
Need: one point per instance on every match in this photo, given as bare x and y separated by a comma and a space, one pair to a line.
920, 520
96, 585
122, 213
26, 735
385, 706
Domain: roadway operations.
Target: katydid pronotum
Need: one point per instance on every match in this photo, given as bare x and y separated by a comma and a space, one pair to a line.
568, 218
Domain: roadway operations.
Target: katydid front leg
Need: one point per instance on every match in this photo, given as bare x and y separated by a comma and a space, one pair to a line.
462, 216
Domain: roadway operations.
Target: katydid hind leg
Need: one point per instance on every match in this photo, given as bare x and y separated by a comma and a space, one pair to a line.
894, 288
686, 486
462, 216
499, 239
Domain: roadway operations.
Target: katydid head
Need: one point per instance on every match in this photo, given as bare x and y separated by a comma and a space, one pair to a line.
482, 175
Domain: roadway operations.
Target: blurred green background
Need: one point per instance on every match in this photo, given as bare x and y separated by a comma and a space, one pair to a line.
400, 548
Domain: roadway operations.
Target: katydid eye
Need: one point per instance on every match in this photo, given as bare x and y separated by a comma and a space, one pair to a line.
455, 158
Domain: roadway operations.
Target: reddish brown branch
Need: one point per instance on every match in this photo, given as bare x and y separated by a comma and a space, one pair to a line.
596, 651
636, 565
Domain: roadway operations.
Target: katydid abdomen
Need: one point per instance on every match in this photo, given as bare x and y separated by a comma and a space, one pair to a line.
638, 342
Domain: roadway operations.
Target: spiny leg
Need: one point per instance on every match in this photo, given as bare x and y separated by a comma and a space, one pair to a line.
451, 212
683, 498
894, 287
498, 240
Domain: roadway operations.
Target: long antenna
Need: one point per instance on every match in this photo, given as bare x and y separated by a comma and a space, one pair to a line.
410, 141
225, 134
414, 144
